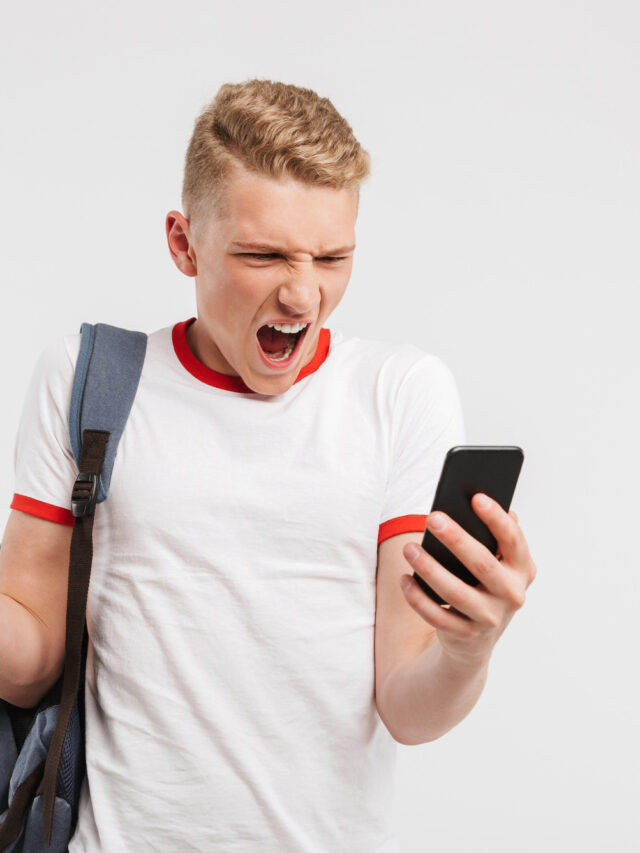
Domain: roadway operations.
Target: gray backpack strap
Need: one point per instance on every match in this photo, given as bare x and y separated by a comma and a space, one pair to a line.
104, 386
42, 757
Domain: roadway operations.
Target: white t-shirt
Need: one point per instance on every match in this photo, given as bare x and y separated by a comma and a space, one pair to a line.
230, 673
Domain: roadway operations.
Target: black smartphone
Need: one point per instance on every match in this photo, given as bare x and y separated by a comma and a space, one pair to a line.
466, 471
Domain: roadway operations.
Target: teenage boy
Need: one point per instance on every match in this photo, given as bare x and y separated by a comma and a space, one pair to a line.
253, 655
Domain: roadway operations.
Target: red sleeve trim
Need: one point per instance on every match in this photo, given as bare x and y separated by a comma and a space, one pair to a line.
43, 510
401, 524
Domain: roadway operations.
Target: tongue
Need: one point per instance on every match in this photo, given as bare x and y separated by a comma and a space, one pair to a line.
271, 340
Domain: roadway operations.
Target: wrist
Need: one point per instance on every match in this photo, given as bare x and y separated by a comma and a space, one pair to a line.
465, 663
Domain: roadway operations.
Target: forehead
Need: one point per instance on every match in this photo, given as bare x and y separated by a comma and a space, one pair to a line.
288, 213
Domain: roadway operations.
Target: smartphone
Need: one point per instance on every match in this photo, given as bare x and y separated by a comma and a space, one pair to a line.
466, 471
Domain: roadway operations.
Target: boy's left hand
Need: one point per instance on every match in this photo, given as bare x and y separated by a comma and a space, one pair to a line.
478, 615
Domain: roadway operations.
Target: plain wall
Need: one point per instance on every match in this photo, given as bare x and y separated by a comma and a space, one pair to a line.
499, 230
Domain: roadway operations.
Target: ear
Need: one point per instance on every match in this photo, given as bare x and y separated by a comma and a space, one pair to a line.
180, 243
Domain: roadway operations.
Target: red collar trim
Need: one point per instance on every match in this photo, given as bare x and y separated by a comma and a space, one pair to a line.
234, 383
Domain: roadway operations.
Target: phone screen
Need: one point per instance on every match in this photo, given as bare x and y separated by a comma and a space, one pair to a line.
466, 471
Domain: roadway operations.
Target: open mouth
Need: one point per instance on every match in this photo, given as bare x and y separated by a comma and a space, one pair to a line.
279, 349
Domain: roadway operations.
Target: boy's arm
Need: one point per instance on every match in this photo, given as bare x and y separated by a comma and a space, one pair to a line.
427, 684
22, 641
427, 695
34, 572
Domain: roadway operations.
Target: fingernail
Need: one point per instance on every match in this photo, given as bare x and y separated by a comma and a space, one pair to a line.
405, 581
411, 552
437, 521
484, 502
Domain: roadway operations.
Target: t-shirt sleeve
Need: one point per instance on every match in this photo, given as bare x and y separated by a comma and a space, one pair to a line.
426, 420
45, 469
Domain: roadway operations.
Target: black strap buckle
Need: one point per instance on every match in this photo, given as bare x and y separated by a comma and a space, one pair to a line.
85, 494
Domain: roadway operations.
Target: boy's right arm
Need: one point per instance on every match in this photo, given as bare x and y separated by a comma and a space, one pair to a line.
34, 574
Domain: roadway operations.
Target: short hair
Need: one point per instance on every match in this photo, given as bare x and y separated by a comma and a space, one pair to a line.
274, 129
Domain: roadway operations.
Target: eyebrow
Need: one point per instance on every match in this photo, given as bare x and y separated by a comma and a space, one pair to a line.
262, 247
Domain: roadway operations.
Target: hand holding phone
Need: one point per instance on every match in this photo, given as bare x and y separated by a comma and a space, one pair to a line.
466, 471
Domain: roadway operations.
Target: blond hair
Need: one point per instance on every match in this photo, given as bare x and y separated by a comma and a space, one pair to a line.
274, 129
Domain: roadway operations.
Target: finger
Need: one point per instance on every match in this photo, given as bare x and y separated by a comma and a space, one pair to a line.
513, 515
433, 613
464, 597
477, 558
505, 528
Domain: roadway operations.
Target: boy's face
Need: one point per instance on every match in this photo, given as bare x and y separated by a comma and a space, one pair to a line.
298, 227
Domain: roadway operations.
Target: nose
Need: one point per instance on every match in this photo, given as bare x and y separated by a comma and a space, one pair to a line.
300, 293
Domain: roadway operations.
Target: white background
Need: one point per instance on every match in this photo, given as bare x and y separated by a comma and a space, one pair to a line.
499, 229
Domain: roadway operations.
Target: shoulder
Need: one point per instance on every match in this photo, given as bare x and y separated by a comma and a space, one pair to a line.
396, 368
59, 357
55, 363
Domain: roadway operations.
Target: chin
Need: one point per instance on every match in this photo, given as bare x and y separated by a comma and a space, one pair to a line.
266, 386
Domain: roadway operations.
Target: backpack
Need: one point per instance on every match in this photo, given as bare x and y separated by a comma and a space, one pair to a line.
42, 749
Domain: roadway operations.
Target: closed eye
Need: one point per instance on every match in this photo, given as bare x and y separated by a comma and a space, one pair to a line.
275, 255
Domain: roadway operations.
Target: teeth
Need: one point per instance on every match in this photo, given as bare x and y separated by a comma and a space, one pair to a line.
287, 328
